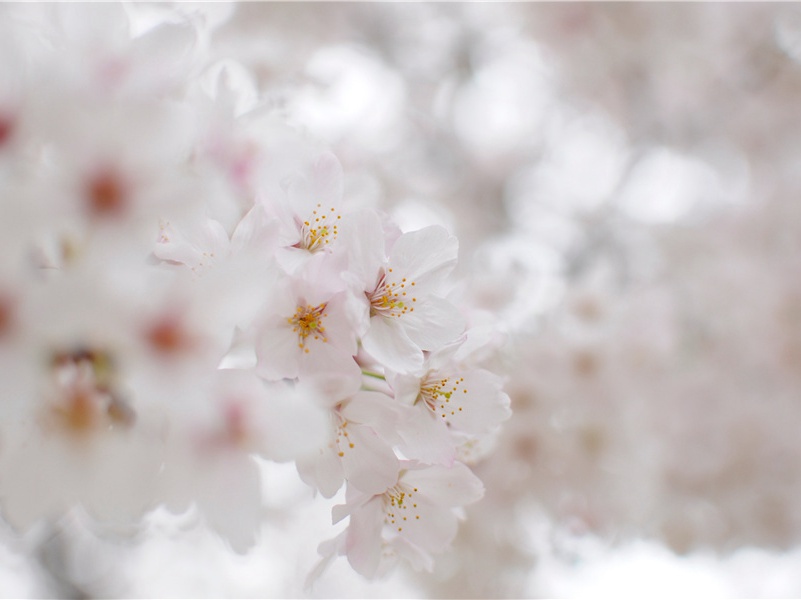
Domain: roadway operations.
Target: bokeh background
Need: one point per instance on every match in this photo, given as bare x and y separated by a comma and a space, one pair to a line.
624, 182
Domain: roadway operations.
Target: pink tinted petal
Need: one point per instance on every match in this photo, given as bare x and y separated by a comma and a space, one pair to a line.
406, 387
370, 465
363, 234
417, 558
375, 409
425, 438
454, 486
428, 526
256, 233
323, 472
230, 498
293, 260
363, 543
434, 323
322, 183
282, 414
277, 353
425, 256
338, 329
196, 245
324, 359
388, 343
477, 404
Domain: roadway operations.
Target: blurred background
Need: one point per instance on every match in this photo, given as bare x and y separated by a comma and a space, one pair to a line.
623, 180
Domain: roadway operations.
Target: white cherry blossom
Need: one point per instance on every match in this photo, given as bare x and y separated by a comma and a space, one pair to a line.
418, 510
402, 313
306, 329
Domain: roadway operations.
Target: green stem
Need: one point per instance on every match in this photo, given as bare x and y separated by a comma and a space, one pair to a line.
373, 374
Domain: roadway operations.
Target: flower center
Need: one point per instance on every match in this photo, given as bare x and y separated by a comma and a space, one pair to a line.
106, 194
343, 441
308, 321
86, 398
6, 128
319, 230
391, 298
438, 394
400, 506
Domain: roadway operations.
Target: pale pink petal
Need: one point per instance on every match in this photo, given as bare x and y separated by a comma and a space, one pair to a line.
375, 409
363, 235
321, 184
326, 359
425, 438
434, 323
425, 256
363, 543
454, 486
429, 526
476, 404
417, 558
278, 353
406, 387
282, 412
323, 472
229, 496
370, 465
256, 233
388, 343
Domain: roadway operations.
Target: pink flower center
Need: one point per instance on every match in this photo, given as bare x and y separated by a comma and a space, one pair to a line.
106, 195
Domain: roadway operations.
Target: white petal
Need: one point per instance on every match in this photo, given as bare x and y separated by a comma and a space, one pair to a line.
375, 409
454, 486
323, 472
278, 353
425, 438
370, 465
282, 413
388, 343
434, 323
230, 497
476, 404
363, 235
363, 545
255, 233
428, 526
425, 256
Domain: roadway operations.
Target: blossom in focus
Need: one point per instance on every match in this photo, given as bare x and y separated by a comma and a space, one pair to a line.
403, 314
418, 511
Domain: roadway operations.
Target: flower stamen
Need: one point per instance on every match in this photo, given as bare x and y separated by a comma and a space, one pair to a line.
308, 321
389, 298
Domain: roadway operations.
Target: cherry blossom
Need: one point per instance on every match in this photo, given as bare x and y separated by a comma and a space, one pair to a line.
402, 313
359, 452
418, 511
448, 398
306, 329
191, 288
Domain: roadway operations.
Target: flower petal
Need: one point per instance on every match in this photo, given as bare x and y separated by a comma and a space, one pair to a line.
388, 343
435, 323
445, 486
369, 463
363, 543
425, 256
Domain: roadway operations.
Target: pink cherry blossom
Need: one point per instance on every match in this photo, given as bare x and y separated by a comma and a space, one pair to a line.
417, 510
358, 452
403, 315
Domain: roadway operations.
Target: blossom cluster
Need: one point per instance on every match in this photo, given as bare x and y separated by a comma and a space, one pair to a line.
185, 285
